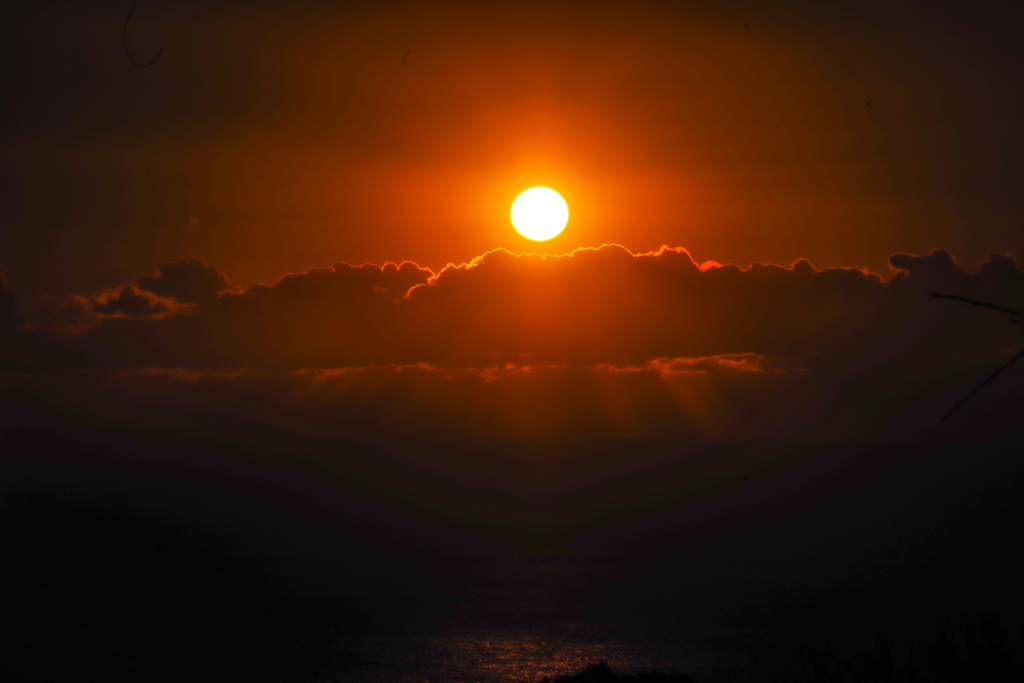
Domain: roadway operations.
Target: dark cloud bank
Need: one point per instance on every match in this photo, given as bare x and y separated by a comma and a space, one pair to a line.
599, 337
595, 306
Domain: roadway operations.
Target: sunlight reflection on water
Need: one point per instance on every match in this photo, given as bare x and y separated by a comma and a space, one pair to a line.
504, 657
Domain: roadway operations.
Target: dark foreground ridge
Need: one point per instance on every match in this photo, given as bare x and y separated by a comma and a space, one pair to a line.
602, 673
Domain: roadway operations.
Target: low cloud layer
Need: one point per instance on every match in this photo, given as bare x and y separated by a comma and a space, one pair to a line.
188, 282
595, 306
705, 348
129, 302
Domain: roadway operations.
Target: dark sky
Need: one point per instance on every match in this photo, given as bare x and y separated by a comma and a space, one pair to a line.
277, 375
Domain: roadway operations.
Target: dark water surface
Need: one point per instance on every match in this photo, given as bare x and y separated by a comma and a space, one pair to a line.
132, 558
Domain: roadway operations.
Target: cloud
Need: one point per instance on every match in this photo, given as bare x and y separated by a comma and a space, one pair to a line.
591, 307
741, 362
768, 349
130, 302
608, 305
936, 263
997, 280
186, 281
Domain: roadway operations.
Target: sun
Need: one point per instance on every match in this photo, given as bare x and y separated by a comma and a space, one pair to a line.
539, 213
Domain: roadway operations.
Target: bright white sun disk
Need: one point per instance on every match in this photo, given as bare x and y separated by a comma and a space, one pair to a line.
539, 213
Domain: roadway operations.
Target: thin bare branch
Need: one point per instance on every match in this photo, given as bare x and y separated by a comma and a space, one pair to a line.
978, 388
978, 303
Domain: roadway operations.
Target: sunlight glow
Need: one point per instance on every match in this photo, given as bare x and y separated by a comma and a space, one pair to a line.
539, 213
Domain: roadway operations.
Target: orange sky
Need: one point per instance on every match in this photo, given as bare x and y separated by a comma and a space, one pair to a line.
273, 138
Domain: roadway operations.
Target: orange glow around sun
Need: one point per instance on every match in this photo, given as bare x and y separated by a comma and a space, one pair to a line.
539, 213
